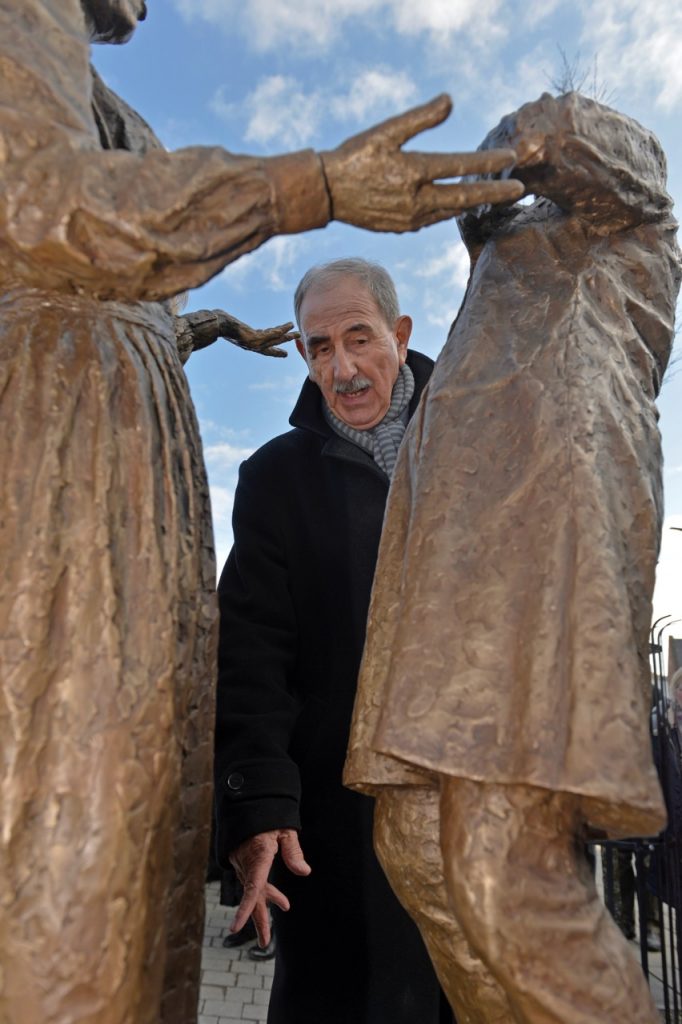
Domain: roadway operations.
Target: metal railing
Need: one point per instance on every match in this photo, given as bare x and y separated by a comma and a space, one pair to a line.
642, 877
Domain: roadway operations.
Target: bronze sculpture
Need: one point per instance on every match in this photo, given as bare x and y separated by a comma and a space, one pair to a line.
503, 699
107, 606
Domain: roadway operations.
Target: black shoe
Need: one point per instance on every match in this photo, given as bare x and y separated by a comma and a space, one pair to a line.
246, 934
259, 953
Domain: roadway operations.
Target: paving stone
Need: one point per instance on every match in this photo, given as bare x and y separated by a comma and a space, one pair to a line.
255, 1013
244, 967
211, 991
225, 1008
234, 989
226, 979
249, 981
229, 954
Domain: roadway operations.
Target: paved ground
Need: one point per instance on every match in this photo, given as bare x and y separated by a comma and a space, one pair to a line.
234, 989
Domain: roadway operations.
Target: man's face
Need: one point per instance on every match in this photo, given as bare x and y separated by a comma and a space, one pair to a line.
113, 21
352, 354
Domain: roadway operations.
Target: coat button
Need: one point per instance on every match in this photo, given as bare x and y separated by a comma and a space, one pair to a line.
235, 780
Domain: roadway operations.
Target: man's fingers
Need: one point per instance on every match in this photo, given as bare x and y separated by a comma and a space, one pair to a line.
244, 912
276, 896
292, 854
261, 919
451, 165
260, 916
447, 200
404, 126
254, 904
271, 351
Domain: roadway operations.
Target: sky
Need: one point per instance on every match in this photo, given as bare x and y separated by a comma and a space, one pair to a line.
271, 76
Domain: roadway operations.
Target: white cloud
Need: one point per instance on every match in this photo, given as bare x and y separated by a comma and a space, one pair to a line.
267, 24
222, 499
440, 282
439, 314
272, 265
307, 24
224, 456
211, 428
290, 384
451, 265
528, 78
537, 11
639, 45
281, 114
442, 19
278, 110
314, 25
638, 42
373, 91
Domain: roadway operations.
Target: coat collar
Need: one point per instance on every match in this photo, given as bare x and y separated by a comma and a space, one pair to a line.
308, 413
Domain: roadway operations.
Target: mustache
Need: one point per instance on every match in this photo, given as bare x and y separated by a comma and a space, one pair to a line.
352, 386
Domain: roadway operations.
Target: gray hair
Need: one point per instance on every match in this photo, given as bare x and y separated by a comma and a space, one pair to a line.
373, 276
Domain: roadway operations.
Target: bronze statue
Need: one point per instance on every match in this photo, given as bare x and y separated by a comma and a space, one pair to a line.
107, 606
503, 700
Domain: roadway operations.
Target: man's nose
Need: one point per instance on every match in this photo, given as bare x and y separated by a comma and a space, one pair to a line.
344, 365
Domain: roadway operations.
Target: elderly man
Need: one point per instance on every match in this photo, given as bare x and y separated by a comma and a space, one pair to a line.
107, 610
293, 603
504, 696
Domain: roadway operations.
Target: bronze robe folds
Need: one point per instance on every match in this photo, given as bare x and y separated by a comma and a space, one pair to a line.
106, 606
508, 629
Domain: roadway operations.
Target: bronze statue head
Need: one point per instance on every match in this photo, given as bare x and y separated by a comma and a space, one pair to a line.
113, 21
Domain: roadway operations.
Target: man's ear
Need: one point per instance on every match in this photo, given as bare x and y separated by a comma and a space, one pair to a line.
402, 332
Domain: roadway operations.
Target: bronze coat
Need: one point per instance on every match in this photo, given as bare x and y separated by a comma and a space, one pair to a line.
508, 627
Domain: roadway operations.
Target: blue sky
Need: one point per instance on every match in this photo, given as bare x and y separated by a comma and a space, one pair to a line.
267, 76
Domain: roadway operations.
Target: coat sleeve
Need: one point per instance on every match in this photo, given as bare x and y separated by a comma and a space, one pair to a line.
257, 783
115, 224
588, 159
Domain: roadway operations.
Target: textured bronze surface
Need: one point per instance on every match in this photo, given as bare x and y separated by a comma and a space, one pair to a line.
106, 605
509, 623
507, 905
507, 651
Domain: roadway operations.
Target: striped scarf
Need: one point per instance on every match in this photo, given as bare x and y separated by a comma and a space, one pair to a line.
383, 440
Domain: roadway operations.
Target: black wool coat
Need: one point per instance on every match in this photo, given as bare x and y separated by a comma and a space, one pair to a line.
294, 596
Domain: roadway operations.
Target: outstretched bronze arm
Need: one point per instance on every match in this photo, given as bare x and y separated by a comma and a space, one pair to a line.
146, 225
372, 183
200, 329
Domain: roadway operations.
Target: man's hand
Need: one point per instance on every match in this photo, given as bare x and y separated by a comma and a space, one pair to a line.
252, 861
198, 330
373, 184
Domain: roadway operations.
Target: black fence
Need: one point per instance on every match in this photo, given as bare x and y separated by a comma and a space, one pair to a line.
642, 877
